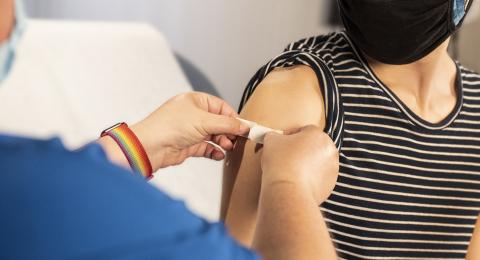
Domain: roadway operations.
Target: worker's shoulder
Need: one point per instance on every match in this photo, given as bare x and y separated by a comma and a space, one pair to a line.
31, 157
286, 98
27, 163
11, 145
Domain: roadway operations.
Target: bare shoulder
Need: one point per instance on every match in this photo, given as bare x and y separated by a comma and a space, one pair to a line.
287, 98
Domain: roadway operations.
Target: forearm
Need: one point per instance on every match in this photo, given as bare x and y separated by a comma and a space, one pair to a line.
290, 225
113, 151
241, 191
474, 249
116, 156
7, 18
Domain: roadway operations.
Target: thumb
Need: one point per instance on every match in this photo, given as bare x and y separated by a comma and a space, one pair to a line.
224, 125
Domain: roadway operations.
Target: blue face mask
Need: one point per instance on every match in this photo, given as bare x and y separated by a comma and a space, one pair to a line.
8, 48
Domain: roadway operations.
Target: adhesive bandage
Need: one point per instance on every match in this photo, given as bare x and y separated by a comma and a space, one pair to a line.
257, 132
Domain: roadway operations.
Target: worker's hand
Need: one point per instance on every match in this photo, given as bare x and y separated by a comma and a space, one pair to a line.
307, 157
177, 130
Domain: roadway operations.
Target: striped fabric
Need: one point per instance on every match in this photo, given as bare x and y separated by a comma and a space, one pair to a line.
408, 189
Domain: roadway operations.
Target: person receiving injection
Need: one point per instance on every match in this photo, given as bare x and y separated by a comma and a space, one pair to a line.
94, 203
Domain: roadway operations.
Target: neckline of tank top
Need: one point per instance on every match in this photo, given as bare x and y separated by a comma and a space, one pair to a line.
412, 116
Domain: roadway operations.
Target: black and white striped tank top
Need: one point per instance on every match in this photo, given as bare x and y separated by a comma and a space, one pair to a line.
408, 189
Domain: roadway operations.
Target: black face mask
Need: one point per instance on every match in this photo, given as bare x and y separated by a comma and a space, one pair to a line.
400, 31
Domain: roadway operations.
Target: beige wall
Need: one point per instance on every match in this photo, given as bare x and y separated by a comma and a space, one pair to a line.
228, 40
469, 47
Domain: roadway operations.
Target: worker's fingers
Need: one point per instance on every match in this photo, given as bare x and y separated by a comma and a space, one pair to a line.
197, 150
203, 149
223, 125
208, 149
217, 155
224, 142
220, 107
232, 137
211, 104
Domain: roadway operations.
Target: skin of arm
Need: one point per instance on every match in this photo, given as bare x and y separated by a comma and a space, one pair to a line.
296, 184
285, 99
285, 207
7, 18
290, 225
474, 249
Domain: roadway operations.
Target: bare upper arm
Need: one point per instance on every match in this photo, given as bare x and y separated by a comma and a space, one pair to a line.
285, 99
474, 248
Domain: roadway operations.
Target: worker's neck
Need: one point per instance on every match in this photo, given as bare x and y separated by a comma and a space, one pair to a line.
422, 84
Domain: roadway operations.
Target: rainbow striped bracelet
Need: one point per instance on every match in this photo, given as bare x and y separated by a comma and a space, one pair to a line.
131, 147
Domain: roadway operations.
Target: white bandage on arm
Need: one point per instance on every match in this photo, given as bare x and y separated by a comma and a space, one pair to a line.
257, 132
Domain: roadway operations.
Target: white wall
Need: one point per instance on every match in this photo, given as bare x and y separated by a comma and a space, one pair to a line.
227, 39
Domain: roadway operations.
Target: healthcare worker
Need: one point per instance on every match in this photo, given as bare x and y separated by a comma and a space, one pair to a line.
94, 203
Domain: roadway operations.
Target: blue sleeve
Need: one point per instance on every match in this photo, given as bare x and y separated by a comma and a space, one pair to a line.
57, 204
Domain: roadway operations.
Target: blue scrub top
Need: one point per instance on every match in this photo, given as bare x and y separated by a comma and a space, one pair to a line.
58, 204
